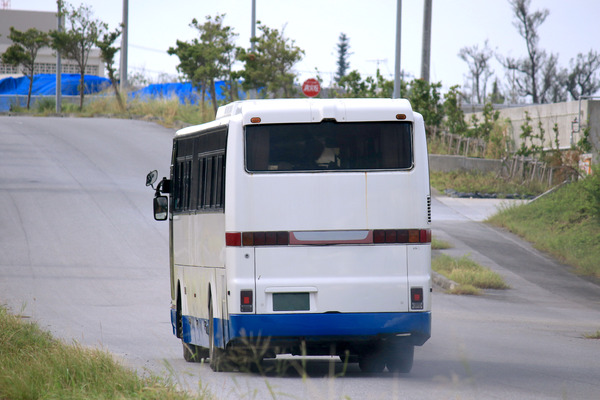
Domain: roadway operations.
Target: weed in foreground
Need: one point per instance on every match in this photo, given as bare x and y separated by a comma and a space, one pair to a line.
34, 365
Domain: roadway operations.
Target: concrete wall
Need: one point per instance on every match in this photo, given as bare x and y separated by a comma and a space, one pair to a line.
563, 114
448, 163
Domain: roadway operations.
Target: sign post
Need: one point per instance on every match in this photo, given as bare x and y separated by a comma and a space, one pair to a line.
311, 87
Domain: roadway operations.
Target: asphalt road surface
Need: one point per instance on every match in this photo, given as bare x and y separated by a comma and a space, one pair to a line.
81, 255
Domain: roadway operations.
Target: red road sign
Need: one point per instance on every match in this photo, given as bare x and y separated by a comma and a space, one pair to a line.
311, 87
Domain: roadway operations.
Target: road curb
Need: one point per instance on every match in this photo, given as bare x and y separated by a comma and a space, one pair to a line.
443, 282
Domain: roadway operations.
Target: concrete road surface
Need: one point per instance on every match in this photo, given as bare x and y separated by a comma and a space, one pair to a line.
81, 255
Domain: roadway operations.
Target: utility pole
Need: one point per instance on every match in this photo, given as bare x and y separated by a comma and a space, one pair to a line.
58, 63
397, 69
426, 49
252, 93
123, 63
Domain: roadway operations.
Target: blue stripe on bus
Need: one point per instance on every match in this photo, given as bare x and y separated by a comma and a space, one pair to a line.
324, 325
310, 326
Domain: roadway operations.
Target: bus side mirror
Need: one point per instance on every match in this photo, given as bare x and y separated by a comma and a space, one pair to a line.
161, 208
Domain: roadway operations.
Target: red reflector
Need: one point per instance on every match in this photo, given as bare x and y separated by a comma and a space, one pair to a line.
378, 236
233, 239
246, 300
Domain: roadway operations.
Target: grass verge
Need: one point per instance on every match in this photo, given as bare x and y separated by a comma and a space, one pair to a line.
470, 276
595, 335
34, 365
437, 244
475, 182
562, 223
166, 111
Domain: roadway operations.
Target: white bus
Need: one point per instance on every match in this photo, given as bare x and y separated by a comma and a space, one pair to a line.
301, 226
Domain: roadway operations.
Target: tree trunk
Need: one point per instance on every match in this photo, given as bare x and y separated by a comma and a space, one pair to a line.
81, 90
30, 88
213, 96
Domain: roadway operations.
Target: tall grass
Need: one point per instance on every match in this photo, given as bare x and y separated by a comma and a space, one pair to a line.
166, 111
563, 223
34, 365
476, 182
467, 273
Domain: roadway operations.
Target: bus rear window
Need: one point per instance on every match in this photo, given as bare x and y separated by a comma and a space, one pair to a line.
329, 146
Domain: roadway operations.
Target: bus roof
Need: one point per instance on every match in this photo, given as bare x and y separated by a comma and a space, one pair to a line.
277, 111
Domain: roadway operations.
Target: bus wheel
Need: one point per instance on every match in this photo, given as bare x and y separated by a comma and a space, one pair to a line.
218, 357
193, 353
400, 359
371, 362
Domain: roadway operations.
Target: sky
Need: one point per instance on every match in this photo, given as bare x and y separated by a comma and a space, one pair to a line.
315, 26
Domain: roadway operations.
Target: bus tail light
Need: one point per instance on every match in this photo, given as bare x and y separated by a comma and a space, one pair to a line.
284, 238
402, 236
416, 298
246, 301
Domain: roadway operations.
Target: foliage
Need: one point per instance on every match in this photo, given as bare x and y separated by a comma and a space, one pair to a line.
563, 223
455, 117
532, 144
425, 99
591, 185
208, 57
583, 80
479, 69
23, 51
537, 75
484, 129
108, 52
342, 61
269, 66
80, 35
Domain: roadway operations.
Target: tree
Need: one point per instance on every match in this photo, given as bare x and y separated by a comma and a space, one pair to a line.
270, 65
353, 86
479, 69
583, 79
342, 62
425, 98
77, 40
107, 52
536, 74
455, 117
24, 50
208, 57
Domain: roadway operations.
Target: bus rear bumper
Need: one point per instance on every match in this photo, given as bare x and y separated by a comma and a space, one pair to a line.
413, 327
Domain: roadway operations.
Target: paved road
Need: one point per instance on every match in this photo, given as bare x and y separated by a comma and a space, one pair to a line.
80, 254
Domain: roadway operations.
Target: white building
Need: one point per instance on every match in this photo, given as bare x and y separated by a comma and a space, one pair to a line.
46, 59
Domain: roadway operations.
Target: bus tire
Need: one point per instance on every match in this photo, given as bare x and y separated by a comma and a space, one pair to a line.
400, 359
372, 362
217, 357
193, 353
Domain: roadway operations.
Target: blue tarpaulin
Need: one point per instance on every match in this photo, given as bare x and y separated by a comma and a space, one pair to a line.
12, 89
184, 92
45, 85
